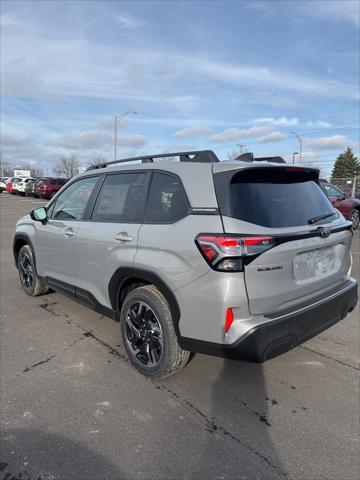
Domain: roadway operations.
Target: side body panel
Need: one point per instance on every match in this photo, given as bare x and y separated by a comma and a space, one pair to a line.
98, 255
55, 249
171, 253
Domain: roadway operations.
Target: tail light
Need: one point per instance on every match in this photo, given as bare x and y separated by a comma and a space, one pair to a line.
229, 253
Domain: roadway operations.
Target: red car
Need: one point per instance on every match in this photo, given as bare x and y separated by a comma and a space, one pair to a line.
348, 206
10, 184
48, 187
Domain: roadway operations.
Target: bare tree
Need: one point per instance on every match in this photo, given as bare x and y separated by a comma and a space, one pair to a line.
6, 169
68, 166
36, 172
233, 154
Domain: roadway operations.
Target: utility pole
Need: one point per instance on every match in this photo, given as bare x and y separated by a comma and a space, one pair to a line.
2, 162
117, 118
353, 191
300, 144
295, 153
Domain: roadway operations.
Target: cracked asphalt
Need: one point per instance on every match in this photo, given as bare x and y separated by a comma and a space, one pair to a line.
73, 408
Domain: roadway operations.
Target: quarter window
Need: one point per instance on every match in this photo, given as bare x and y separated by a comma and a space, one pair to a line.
121, 199
71, 204
332, 191
167, 200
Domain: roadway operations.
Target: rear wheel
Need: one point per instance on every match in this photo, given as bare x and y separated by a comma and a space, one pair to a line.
355, 219
30, 281
148, 334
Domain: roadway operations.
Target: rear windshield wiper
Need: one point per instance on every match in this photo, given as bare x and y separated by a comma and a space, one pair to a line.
320, 217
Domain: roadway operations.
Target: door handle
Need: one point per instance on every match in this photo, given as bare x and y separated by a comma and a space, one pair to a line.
123, 237
69, 232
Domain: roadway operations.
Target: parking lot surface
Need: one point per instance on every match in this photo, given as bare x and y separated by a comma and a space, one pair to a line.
73, 408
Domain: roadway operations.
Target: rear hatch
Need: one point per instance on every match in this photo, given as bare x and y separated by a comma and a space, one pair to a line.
300, 245
41, 185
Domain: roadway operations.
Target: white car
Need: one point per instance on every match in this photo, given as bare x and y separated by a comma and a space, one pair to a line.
2, 187
20, 185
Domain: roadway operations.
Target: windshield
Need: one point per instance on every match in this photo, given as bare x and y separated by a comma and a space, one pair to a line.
274, 198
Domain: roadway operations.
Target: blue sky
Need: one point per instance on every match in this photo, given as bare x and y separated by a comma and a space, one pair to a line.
200, 75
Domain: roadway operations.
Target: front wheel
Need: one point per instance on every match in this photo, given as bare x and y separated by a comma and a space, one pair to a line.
32, 284
355, 219
148, 334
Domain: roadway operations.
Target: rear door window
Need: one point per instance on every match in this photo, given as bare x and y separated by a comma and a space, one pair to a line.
121, 199
278, 198
167, 201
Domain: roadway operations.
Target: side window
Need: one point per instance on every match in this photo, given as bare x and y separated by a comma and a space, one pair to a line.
72, 202
121, 199
332, 191
167, 201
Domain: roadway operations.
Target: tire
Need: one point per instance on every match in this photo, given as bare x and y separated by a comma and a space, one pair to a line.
31, 283
146, 326
355, 218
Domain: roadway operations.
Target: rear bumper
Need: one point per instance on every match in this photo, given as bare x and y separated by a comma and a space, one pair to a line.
279, 334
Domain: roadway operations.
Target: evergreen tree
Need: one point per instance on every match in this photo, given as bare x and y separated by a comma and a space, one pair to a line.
345, 166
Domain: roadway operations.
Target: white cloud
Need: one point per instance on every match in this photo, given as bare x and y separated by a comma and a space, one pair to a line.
99, 139
290, 122
90, 139
272, 137
191, 132
281, 121
328, 10
232, 134
318, 123
84, 68
128, 22
332, 142
133, 141
332, 10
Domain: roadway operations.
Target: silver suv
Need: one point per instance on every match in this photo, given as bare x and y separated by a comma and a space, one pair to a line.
243, 259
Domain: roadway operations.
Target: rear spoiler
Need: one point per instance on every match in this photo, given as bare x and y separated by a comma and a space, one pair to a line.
249, 157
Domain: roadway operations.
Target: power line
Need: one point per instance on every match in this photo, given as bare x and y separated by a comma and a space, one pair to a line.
309, 134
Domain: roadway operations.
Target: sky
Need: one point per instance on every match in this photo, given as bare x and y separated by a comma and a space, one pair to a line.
199, 74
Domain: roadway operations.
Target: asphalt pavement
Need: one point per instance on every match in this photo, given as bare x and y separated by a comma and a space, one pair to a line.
73, 407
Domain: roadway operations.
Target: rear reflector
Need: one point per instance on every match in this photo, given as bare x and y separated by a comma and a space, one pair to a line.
229, 318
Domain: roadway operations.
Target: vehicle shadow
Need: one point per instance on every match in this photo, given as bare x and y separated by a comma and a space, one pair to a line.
239, 444
29, 454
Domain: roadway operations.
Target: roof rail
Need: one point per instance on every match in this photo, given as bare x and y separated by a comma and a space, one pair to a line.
249, 157
198, 156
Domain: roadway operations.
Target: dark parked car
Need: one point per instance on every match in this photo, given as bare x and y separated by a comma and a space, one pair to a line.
348, 206
29, 189
48, 187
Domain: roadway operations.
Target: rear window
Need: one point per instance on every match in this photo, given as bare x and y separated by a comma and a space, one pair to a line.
279, 198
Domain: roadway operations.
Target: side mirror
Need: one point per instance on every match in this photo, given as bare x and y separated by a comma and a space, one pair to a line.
39, 214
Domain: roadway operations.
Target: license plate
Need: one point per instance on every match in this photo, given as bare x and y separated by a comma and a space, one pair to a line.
314, 263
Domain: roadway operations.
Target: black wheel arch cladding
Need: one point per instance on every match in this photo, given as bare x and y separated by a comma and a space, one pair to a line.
125, 274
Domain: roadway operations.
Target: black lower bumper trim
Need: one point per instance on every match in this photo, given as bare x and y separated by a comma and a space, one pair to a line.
281, 335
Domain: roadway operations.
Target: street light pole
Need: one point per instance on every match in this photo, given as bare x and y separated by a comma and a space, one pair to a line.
2, 163
117, 118
241, 146
300, 144
295, 153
